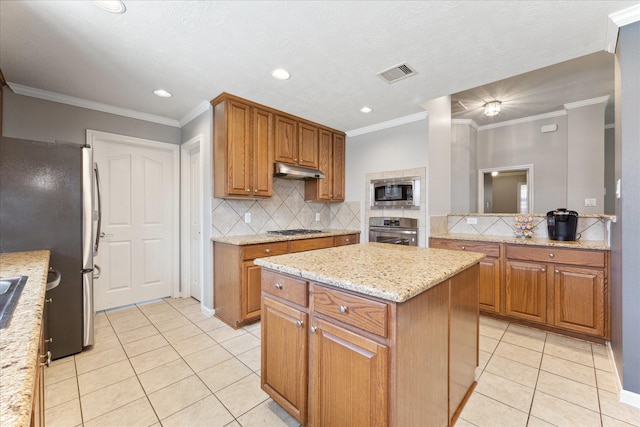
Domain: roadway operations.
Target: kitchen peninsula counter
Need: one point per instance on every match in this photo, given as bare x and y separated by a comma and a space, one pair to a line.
370, 334
392, 272
252, 239
19, 340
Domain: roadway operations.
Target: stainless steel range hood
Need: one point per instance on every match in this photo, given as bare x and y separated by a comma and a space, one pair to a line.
283, 170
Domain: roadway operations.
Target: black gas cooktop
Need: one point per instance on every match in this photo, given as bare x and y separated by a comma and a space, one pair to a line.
294, 231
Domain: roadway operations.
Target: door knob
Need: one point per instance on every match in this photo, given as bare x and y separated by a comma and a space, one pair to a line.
103, 235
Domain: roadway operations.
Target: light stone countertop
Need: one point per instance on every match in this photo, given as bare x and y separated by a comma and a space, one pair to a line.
20, 338
391, 272
533, 241
252, 239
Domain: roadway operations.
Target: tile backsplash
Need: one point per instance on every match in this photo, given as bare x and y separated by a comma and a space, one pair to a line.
589, 227
285, 209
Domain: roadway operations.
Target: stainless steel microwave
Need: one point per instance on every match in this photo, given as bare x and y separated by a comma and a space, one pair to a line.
396, 193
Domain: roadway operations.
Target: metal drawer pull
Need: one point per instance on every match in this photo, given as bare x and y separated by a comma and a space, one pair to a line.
278, 286
557, 271
299, 323
463, 248
312, 329
344, 309
544, 270
551, 255
346, 240
267, 250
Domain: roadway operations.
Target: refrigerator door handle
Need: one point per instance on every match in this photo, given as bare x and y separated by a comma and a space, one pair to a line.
99, 200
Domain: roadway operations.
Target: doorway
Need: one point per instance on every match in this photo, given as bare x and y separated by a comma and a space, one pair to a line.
139, 249
191, 222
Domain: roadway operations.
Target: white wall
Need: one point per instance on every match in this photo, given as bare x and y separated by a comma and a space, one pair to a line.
522, 144
202, 126
395, 148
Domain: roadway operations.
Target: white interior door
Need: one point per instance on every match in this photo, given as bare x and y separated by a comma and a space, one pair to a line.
194, 224
138, 251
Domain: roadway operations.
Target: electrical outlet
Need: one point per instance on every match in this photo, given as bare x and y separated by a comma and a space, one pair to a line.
317, 216
247, 217
472, 220
590, 202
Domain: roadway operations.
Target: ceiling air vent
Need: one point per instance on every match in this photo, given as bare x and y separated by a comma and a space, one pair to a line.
457, 107
397, 72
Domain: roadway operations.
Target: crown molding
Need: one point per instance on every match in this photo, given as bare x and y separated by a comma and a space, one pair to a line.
200, 108
91, 105
468, 122
388, 124
524, 120
586, 102
615, 21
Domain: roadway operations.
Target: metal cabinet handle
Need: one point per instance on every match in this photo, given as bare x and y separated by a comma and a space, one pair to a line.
544, 270
278, 286
312, 329
557, 271
462, 247
551, 255
344, 309
267, 251
299, 323
50, 340
48, 300
346, 240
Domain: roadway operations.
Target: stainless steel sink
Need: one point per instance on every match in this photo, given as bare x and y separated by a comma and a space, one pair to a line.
10, 290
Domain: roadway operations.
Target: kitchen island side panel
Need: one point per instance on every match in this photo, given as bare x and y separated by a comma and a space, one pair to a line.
421, 360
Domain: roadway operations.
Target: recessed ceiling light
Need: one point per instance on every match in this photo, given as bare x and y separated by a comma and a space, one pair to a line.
494, 173
366, 110
281, 74
162, 93
113, 6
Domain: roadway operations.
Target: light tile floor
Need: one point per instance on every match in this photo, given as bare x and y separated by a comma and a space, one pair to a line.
167, 364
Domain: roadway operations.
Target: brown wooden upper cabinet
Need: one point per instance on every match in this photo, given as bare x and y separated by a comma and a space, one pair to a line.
331, 155
242, 149
296, 142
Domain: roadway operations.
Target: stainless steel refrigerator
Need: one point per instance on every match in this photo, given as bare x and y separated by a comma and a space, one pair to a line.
46, 202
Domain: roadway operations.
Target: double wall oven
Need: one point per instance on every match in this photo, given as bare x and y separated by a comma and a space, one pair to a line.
398, 231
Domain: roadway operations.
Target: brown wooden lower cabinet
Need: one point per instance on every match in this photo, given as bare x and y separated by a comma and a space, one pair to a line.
236, 280
371, 362
526, 290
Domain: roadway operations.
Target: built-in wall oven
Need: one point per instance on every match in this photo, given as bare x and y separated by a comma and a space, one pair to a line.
397, 231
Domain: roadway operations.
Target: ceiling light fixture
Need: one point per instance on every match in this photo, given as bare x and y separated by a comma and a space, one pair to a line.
162, 93
494, 173
112, 6
280, 74
492, 108
366, 110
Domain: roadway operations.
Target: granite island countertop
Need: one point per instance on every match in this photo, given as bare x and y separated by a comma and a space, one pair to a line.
252, 239
20, 338
533, 241
391, 272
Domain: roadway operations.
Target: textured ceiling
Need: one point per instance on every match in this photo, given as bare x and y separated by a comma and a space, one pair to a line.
198, 49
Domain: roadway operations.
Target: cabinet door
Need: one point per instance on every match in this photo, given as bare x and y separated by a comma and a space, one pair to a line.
239, 150
284, 356
579, 299
349, 378
490, 285
250, 295
307, 145
286, 140
526, 290
325, 164
262, 152
337, 171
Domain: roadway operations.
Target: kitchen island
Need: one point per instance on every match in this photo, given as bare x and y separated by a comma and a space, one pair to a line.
370, 334
21, 379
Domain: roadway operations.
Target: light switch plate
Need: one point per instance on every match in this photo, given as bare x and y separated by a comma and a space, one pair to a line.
590, 202
247, 217
472, 220
317, 216
618, 189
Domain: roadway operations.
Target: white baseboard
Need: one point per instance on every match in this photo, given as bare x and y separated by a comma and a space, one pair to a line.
628, 397
207, 311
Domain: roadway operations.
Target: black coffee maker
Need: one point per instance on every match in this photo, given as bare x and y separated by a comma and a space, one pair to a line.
562, 224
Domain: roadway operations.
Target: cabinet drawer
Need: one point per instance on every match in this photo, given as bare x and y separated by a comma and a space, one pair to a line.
347, 239
311, 244
584, 258
363, 313
285, 287
265, 249
489, 249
